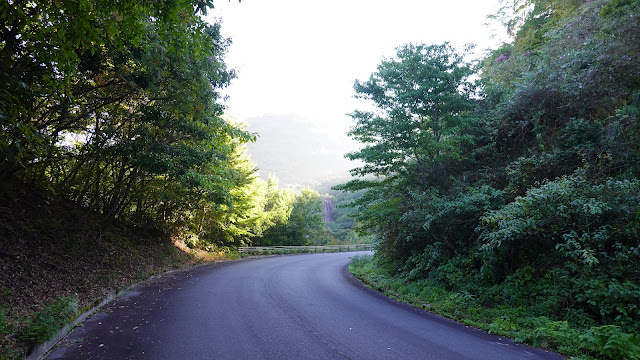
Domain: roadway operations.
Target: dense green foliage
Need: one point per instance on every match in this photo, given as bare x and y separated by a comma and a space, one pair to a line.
304, 226
114, 105
47, 322
521, 189
37, 328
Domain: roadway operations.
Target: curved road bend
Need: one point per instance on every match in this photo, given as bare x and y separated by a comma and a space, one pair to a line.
287, 307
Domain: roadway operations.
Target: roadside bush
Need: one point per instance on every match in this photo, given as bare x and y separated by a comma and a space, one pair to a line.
5, 328
612, 342
577, 237
549, 333
612, 301
444, 228
42, 325
569, 219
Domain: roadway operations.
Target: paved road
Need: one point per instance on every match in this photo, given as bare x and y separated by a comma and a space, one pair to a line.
288, 307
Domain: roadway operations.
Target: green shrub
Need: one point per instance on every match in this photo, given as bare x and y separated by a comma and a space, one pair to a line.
613, 301
548, 333
46, 323
191, 240
569, 219
612, 342
502, 325
579, 236
443, 228
5, 327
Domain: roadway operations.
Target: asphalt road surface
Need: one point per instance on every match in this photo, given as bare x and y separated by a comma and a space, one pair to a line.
287, 307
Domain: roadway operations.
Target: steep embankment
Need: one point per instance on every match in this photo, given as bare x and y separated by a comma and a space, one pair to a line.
54, 253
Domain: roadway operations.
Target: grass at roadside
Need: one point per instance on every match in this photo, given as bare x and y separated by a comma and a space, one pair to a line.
522, 324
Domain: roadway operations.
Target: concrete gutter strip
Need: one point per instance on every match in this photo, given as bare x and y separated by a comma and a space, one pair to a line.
41, 350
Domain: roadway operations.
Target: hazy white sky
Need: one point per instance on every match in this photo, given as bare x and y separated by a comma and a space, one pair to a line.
302, 57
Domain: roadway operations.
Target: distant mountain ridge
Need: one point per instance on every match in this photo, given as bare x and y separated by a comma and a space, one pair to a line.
298, 151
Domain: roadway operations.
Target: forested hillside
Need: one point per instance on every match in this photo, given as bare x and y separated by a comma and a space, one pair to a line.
514, 182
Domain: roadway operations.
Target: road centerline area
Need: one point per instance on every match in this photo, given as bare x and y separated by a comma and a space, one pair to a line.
273, 283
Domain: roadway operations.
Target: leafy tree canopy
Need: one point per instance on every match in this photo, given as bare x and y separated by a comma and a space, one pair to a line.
420, 98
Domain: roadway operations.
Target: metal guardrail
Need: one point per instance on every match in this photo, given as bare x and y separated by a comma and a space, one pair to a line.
302, 249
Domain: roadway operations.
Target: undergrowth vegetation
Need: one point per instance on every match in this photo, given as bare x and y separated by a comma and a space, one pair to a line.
526, 313
43, 324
